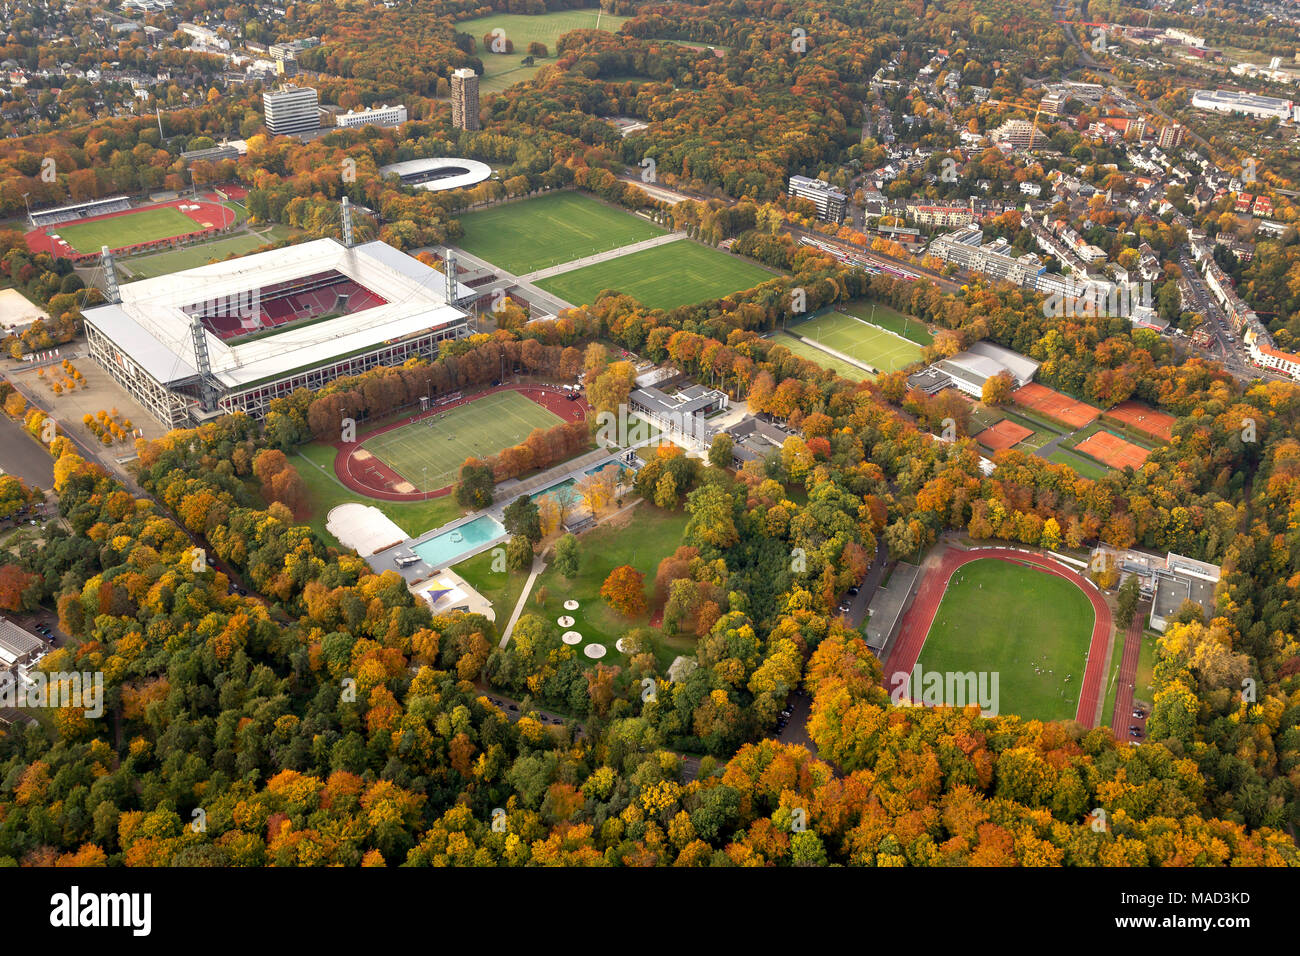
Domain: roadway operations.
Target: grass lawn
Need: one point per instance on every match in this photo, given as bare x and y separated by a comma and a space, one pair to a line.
824, 359
1142, 688
1030, 628
877, 313
665, 277
500, 587
429, 453
1112, 680
859, 340
1084, 466
165, 263
502, 69
316, 465
642, 538
522, 237
144, 225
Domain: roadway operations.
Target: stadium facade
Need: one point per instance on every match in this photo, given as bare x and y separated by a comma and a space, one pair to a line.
232, 336
438, 173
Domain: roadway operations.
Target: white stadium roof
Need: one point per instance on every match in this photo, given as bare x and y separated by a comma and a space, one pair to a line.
473, 173
151, 327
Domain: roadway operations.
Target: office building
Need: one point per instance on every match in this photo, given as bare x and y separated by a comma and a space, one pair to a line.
291, 110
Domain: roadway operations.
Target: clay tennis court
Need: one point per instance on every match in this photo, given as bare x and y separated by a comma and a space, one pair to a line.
1054, 405
1004, 434
1145, 419
1112, 451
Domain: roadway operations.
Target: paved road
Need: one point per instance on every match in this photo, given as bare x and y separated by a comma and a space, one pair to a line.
867, 589
592, 260
21, 456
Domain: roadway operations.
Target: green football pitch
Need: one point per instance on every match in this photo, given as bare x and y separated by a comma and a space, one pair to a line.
428, 453
522, 237
663, 277
146, 225
859, 340
1029, 627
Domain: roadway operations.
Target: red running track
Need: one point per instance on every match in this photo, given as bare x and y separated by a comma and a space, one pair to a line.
211, 217
920, 616
374, 479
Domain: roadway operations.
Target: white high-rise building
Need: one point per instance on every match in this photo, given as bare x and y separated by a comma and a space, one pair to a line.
291, 110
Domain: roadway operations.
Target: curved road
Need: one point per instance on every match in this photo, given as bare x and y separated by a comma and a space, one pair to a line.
916, 623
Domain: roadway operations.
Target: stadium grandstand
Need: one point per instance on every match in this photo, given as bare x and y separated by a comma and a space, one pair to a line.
232, 336
80, 210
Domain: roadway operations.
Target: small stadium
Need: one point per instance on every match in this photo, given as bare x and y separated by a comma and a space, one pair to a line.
1042, 628
420, 456
79, 231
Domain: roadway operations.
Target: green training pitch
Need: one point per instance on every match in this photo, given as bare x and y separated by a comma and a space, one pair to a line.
146, 225
891, 320
1030, 627
522, 237
802, 349
859, 340
165, 263
664, 277
429, 456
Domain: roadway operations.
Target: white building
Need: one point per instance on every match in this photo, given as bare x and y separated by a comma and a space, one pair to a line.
1247, 104
830, 202
291, 110
377, 116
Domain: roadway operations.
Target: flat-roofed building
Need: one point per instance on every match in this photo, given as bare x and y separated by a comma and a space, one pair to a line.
18, 647
375, 116
1182, 579
831, 203
291, 110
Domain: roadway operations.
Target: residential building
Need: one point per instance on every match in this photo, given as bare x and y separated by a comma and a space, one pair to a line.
831, 203
464, 99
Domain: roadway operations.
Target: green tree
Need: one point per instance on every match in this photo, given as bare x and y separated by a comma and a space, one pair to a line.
519, 553
521, 517
720, 452
566, 556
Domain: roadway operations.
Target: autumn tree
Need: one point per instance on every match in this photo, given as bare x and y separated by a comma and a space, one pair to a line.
996, 390
624, 591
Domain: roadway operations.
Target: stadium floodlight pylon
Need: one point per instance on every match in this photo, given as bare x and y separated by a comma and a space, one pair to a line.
110, 275
347, 223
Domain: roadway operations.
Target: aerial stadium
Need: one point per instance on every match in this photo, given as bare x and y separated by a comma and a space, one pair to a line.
438, 174
232, 336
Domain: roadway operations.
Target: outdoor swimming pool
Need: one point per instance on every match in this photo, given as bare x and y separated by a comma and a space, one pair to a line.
447, 548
